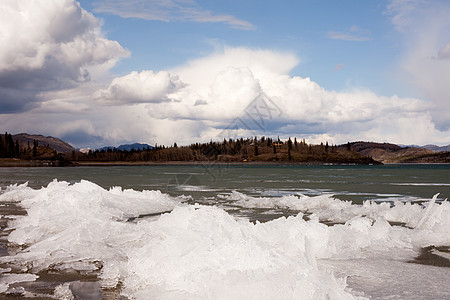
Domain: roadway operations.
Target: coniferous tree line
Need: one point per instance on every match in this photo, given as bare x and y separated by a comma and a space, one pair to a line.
232, 150
10, 148
249, 149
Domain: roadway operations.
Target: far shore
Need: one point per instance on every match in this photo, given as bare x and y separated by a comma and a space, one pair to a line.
14, 162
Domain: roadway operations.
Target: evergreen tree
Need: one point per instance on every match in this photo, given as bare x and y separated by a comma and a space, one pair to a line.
35, 146
9, 145
289, 148
17, 150
2, 150
6, 146
256, 150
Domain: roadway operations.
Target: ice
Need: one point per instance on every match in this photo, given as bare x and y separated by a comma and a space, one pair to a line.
7, 279
69, 225
391, 279
63, 292
194, 188
63, 211
16, 291
328, 208
202, 252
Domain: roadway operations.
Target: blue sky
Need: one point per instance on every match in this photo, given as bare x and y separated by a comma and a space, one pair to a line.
341, 44
106, 72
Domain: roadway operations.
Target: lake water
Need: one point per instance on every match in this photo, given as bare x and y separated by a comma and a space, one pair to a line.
235, 231
356, 183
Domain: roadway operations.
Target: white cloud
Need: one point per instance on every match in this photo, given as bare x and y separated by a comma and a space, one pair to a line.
425, 67
201, 73
354, 34
168, 10
233, 87
142, 87
48, 45
226, 83
335, 35
402, 12
234, 92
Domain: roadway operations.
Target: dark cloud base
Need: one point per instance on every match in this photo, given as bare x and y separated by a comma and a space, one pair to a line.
83, 139
16, 101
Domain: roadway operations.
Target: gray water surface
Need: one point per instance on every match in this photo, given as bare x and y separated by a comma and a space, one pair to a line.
203, 181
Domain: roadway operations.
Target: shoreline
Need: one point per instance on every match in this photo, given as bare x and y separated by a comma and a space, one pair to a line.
45, 163
34, 164
199, 163
15, 162
18, 163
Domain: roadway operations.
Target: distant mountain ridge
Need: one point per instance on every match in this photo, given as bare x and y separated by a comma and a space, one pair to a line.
128, 147
437, 148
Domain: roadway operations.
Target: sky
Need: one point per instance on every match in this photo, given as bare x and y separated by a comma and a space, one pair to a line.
108, 72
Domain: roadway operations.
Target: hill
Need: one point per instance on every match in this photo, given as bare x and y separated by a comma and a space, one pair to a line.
60, 146
391, 153
33, 150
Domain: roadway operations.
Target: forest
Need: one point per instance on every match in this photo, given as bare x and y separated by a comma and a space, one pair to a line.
255, 149
10, 148
239, 150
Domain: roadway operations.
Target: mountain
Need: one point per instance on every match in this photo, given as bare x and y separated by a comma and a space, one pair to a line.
135, 146
54, 143
128, 147
437, 148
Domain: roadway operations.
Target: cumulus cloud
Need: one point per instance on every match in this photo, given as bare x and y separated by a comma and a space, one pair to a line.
168, 10
50, 50
47, 45
241, 92
257, 60
237, 92
135, 87
424, 28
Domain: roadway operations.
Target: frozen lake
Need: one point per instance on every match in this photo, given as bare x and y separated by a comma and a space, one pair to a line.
227, 232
